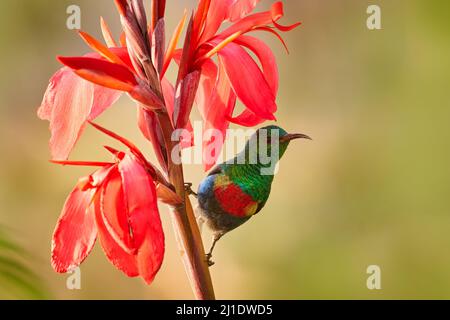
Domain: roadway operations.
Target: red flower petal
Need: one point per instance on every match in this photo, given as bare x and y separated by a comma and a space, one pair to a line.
68, 103
138, 189
102, 72
216, 16
266, 57
121, 52
241, 8
103, 99
119, 258
114, 211
277, 13
151, 255
247, 119
145, 222
206, 86
75, 233
258, 20
200, 17
221, 10
248, 81
218, 107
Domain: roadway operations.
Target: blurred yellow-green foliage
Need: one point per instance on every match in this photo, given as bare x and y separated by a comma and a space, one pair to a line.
372, 189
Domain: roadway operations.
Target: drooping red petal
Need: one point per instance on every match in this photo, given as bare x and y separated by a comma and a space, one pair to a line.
266, 58
218, 107
136, 192
138, 188
70, 101
67, 105
119, 258
75, 233
248, 81
247, 119
151, 255
103, 99
206, 87
114, 211
144, 220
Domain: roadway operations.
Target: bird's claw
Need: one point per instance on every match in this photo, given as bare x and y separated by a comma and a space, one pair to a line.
188, 189
209, 256
209, 260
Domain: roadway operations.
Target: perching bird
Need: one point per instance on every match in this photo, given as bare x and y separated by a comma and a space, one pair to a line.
237, 190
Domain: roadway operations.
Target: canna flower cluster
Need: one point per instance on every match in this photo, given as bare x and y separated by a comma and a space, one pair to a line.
118, 203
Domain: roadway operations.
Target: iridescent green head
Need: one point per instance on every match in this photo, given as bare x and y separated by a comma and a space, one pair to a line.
268, 145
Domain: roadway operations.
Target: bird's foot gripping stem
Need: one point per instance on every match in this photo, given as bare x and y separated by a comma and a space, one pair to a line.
210, 254
209, 260
188, 189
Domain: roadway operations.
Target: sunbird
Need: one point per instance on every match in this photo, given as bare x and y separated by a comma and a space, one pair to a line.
236, 190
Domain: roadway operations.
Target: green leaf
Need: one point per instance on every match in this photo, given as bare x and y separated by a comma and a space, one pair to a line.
17, 279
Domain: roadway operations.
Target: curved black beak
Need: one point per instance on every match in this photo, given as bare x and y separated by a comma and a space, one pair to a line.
294, 136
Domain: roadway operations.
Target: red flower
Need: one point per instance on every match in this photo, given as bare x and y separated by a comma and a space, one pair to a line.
70, 101
88, 85
237, 74
117, 204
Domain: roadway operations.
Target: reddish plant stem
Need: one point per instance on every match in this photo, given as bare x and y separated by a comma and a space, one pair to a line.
186, 229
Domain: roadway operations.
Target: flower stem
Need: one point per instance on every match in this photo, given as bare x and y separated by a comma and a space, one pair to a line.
186, 229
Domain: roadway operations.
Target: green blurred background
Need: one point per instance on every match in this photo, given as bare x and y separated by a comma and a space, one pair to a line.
372, 189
